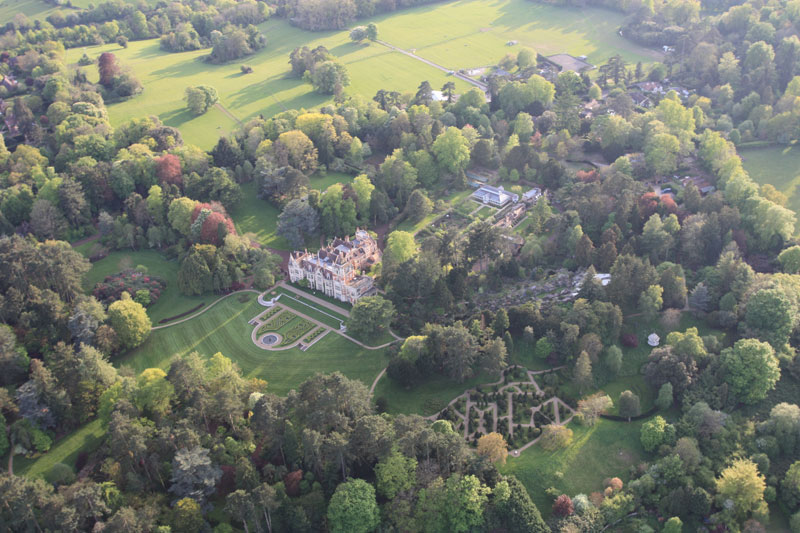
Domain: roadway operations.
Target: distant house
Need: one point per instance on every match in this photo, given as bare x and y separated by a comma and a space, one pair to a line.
496, 196
651, 87
531, 195
640, 99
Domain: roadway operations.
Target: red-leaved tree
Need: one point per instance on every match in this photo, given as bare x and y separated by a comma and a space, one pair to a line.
168, 170
563, 506
109, 69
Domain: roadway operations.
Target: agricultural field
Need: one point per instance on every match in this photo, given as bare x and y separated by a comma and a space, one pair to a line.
268, 90
224, 328
474, 33
778, 166
171, 302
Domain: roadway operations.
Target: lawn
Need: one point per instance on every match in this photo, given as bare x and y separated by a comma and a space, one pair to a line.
607, 449
778, 166
66, 450
259, 218
33, 9
266, 91
171, 302
413, 227
475, 33
323, 182
429, 397
634, 358
224, 329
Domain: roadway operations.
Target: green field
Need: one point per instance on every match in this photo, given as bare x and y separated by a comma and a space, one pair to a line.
266, 91
607, 449
323, 182
474, 33
463, 34
778, 166
171, 302
259, 218
224, 328
33, 9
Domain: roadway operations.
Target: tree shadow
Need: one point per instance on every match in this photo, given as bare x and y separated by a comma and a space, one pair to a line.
177, 117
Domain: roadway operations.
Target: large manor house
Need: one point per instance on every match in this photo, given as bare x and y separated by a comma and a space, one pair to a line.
337, 269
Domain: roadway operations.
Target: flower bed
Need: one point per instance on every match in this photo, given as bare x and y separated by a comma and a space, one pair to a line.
314, 334
302, 327
269, 313
281, 320
131, 281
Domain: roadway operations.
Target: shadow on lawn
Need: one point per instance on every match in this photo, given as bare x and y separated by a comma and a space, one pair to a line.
177, 117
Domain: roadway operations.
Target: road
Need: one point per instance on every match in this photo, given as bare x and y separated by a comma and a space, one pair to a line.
482, 86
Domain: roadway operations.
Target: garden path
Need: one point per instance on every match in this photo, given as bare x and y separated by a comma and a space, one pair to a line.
509, 389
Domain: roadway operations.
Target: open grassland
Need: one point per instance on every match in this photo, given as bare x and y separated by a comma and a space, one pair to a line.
607, 449
224, 329
268, 90
171, 302
779, 166
33, 9
475, 33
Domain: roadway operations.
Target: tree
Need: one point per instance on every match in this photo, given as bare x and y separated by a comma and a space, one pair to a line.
743, 486
750, 369
108, 68
494, 447
543, 348
372, 31
656, 432
329, 77
238, 504
47, 222
660, 153
526, 58
790, 486
448, 90
591, 407
517, 512
395, 474
370, 316
193, 474
400, 247
790, 259
555, 437
673, 525
650, 302
501, 323
562, 506
451, 149
418, 206
770, 316
358, 34
613, 360
179, 215
199, 99
628, 405
14, 358
665, 397
583, 372
353, 508
129, 319
297, 221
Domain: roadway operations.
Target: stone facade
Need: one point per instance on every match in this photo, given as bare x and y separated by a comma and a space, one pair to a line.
337, 269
